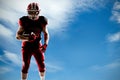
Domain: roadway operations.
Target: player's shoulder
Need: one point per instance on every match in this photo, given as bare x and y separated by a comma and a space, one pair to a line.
43, 19
23, 18
42, 16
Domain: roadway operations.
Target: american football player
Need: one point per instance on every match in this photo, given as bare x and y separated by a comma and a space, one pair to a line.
29, 32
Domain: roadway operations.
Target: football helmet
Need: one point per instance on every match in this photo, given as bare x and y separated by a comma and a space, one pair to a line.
33, 11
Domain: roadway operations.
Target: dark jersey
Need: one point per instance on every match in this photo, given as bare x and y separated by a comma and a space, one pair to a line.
32, 26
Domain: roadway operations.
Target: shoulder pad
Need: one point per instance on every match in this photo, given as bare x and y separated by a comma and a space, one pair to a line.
43, 20
23, 18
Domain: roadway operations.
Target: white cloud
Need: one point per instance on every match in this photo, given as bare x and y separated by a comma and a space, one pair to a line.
9, 57
116, 12
12, 57
53, 67
6, 37
114, 37
86, 5
4, 70
5, 32
59, 13
111, 66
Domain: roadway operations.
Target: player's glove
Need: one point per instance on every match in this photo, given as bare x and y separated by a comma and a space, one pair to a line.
43, 47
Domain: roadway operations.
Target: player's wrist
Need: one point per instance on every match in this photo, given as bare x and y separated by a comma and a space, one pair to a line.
45, 44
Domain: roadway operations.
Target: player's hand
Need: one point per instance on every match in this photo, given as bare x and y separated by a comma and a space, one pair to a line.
43, 47
32, 37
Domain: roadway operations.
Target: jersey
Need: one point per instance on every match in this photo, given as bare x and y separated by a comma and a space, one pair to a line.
32, 26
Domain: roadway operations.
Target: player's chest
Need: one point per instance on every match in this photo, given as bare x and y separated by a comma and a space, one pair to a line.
33, 27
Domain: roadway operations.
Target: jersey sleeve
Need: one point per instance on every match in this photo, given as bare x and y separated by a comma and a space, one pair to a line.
21, 21
43, 20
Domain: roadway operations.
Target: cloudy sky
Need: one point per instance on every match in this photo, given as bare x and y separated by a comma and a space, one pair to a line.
84, 39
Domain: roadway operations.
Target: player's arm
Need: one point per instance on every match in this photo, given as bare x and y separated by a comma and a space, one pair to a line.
20, 36
46, 38
46, 34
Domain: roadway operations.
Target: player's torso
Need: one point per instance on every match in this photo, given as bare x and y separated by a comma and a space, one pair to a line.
32, 25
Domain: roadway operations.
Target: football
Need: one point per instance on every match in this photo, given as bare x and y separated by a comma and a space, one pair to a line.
26, 34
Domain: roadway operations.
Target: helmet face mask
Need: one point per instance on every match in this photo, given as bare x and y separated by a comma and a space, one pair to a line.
33, 11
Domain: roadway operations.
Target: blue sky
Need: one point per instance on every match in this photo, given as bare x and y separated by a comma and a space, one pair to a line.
84, 39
